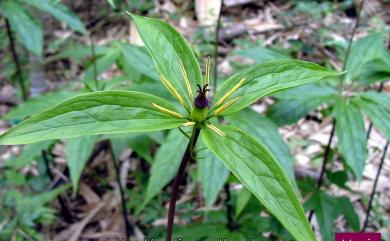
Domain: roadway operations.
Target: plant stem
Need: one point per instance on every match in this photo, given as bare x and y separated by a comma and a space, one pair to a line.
176, 183
216, 41
92, 46
229, 208
128, 228
374, 188
16, 60
324, 162
64, 209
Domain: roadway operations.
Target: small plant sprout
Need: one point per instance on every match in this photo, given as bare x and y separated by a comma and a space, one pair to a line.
254, 165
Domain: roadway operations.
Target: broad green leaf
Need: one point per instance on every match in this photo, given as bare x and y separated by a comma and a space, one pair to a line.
376, 70
289, 111
268, 78
296, 103
168, 48
243, 198
77, 151
377, 111
348, 210
28, 154
37, 104
59, 11
351, 135
326, 212
101, 112
308, 91
377, 98
139, 59
327, 209
28, 30
261, 54
212, 176
166, 163
255, 166
363, 51
267, 134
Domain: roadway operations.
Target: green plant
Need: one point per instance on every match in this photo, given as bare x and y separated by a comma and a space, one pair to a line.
346, 101
251, 161
27, 27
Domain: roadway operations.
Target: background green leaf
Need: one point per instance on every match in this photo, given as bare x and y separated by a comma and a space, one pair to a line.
351, 135
376, 110
101, 112
77, 151
28, 154
28, 30
254, 165
166, 163
59, 11
363, 51
212, 175
37, 104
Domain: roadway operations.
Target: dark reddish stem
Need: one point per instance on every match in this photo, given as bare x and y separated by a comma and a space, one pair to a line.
176, 183
374, 188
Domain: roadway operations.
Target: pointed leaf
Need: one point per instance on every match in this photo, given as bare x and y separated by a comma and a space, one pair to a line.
270, 77
362, 51
28, 30
101, 112
243, 198
254, 165
77, 151
326, 212
296, 103
351, 135
377, 111
167, 48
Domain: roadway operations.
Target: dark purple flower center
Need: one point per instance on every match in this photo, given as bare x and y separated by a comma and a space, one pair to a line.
201, 100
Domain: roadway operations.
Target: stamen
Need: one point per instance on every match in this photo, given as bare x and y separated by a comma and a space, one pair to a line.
171, 89
186, 80
166, 111
215, 129
226, 105
230, 92
189, 123
207, 74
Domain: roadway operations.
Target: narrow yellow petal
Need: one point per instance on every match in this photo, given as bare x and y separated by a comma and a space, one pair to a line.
207, 75
230, 92
187, 81
215, 129
166, 111
189, 123
226, 105
171, 89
